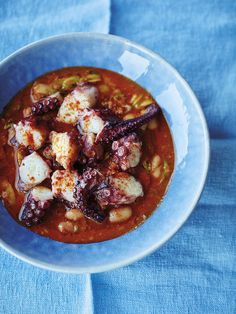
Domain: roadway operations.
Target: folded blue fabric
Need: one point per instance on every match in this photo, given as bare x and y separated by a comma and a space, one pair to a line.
195, 272
198, 38
24, 21
23, 288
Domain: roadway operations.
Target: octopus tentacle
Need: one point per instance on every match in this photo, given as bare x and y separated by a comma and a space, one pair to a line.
83, 194
117, 130
47, 104
87, 205
108, 115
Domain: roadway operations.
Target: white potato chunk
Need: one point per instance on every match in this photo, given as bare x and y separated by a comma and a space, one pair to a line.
28, 134
33, 170
120, 214
41, 193
64, 149
63, 183
90, 122
82, 97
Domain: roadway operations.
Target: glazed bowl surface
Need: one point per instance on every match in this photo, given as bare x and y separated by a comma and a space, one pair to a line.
186, 121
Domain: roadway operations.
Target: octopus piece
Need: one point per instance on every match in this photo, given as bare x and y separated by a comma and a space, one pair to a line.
47, 104
119, 189
90, 121
37, 202
28, 134
32, 171
94, 120
127, 152
108, 115
88, 205
108, 167
64, 148
63, 184
90, 179
94, 192
84, 96
114, 131
90, 150
83, 194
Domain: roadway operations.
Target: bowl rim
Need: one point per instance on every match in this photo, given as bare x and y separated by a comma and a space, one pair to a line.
157, 245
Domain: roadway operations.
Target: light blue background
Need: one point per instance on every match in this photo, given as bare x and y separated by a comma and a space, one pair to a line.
195, 272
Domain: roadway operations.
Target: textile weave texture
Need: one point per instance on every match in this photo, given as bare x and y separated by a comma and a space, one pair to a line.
195, 272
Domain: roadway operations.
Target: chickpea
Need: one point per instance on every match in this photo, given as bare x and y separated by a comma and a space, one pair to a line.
120, 214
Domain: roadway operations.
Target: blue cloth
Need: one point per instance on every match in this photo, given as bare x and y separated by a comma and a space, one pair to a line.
24, 21
195, 272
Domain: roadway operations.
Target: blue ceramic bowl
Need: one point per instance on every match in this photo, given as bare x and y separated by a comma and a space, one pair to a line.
185, 118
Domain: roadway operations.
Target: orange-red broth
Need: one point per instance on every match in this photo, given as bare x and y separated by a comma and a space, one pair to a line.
156, 140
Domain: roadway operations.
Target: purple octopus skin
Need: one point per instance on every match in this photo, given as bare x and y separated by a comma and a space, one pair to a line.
95, 192
33, 211
116, 130
83, 193
126, 152
108, 115
90, 151
88, 205
46, 105
109, 192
